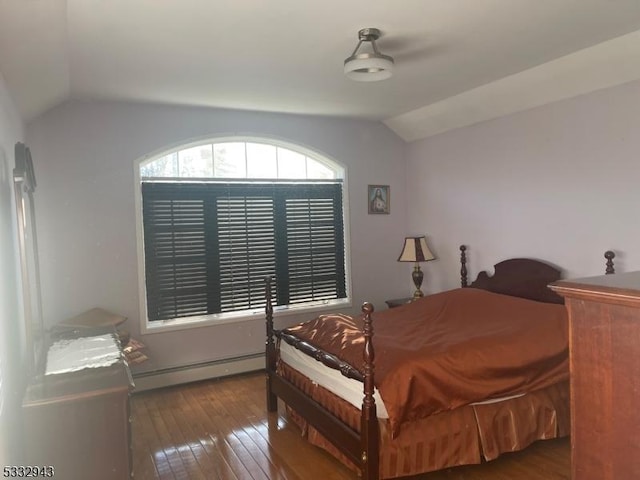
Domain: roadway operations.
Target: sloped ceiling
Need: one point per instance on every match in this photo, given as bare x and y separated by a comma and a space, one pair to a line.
457, 62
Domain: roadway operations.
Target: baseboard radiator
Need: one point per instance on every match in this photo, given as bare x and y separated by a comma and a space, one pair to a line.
202, 371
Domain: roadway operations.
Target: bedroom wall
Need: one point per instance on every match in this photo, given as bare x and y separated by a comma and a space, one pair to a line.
84, 155
559, 182
12, 348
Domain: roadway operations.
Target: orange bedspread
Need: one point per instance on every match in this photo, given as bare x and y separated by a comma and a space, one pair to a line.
451, 349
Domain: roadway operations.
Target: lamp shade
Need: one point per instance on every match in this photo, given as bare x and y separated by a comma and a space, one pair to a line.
415, 250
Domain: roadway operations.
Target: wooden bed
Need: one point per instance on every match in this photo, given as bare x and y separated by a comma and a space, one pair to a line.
465, 434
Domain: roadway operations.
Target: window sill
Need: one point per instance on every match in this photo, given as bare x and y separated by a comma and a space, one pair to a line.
178, 324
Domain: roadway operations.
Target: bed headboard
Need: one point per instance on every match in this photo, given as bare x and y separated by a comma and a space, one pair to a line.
522, 277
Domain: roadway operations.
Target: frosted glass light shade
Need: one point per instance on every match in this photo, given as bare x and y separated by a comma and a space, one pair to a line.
368, 68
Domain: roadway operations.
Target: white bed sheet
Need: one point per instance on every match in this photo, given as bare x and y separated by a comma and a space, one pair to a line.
348, 389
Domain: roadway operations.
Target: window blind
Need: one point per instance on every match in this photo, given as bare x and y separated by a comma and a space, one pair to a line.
208, 246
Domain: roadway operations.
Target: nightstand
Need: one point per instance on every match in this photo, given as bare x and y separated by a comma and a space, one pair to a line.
396, 302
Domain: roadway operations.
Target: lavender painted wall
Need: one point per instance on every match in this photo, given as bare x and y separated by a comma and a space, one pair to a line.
84, 154
12, 347
560, 182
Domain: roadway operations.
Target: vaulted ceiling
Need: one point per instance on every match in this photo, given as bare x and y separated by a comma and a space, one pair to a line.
457, 61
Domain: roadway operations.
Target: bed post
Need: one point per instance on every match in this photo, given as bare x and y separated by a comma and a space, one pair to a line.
270, 349
463, 266
369, 428
609, 255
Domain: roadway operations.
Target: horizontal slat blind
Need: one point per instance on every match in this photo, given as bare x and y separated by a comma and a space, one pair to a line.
247, 250
314, 259
175, 252
208, 246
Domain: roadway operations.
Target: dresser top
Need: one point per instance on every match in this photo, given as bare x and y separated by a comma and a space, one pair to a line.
615, 288
79, 366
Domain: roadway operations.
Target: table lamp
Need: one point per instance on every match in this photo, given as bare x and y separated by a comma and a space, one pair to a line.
416, 250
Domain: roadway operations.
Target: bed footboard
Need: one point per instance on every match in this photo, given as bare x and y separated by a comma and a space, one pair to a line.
362, 448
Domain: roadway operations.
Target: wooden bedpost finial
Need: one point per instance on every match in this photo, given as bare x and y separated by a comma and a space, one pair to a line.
463, 266
610, 255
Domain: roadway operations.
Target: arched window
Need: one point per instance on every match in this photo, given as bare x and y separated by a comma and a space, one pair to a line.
219, 217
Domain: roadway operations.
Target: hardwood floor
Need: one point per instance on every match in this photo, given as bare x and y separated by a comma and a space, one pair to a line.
219, 429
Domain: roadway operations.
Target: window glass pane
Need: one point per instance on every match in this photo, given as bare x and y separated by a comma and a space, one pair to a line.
195, 162
166, 166
316, 169
229, 160
291, 164
261, 161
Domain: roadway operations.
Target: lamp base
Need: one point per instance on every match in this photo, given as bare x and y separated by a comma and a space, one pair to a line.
417, 276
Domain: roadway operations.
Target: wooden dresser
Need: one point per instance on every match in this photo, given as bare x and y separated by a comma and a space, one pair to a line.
79, 423
604, 324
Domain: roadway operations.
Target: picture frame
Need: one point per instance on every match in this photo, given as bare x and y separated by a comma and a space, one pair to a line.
379, 199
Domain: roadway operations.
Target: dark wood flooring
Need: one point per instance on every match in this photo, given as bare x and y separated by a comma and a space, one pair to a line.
220, 430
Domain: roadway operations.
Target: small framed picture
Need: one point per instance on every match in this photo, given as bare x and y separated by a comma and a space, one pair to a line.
379, 199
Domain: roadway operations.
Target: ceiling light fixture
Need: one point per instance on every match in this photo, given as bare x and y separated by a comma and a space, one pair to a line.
368, 67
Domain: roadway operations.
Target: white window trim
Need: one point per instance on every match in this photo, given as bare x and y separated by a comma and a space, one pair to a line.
147, 327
